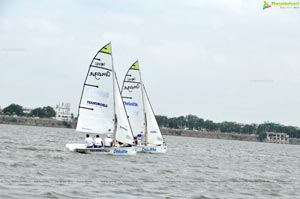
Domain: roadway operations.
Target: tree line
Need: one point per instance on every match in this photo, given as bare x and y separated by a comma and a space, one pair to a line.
193, 122
42, 112
190, 122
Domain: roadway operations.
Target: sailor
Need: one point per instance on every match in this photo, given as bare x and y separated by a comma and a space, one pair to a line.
108, 141
139, 138
135, 140
98, 142
89, 142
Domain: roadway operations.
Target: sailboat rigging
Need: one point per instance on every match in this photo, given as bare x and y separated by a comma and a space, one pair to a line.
140, 112
101, 109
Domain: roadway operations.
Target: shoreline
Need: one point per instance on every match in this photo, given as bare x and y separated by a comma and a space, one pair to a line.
25, 121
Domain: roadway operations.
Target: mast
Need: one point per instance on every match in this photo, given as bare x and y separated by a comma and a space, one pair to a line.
145, 115
114, 98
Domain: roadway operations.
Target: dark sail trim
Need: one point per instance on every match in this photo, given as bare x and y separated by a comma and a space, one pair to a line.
101, 67
132, 82
127, 97
91, 85
86, 108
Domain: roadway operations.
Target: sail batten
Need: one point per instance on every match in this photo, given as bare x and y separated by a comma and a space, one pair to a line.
101, 67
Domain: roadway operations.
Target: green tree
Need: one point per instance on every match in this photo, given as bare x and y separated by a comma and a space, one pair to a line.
181, 122
248, 129
162, 121
191, 121
200, 123
172, 123
45, 112
230, 127
262, 135
14, 109
210, 125
37, 112
49, 111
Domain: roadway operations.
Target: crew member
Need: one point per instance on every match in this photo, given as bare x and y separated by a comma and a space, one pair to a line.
89, 142
108, 141
139, 138
98, 142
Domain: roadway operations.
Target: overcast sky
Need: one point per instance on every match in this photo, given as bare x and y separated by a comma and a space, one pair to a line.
220, 60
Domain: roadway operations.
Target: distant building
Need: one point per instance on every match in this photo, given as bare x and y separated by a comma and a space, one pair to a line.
280, 138
63, 112
27, 110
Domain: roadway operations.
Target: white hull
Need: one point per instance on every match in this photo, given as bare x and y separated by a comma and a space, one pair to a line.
80, 148
152, 149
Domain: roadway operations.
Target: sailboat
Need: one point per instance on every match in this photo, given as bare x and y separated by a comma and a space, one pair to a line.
140, 112
101, 109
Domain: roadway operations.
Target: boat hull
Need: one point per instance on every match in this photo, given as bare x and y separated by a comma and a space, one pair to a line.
152, 149
80, 148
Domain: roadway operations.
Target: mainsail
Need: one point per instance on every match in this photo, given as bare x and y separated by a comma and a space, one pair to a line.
133, 99
139, 110
100, 100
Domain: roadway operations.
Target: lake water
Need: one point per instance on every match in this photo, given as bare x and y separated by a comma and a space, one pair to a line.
33, 164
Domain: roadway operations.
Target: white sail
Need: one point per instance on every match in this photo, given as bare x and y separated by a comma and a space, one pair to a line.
133, 99
124, 133
153, 136
96, 109
138, 107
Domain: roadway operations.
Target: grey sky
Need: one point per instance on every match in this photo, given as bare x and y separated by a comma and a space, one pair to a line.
220, 60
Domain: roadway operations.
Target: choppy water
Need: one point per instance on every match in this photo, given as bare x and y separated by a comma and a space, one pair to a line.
33, 164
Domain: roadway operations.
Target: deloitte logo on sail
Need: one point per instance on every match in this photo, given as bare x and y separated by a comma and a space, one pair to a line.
130, 103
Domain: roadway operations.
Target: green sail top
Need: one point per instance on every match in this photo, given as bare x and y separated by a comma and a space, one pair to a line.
106, 49
135, 66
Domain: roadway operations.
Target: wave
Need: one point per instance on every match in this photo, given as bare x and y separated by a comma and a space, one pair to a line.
52, 194
23, 164
248, 180
30, 148
200, 197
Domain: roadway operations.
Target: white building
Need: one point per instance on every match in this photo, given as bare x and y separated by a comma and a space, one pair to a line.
280, 138
63, 112
27, 110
